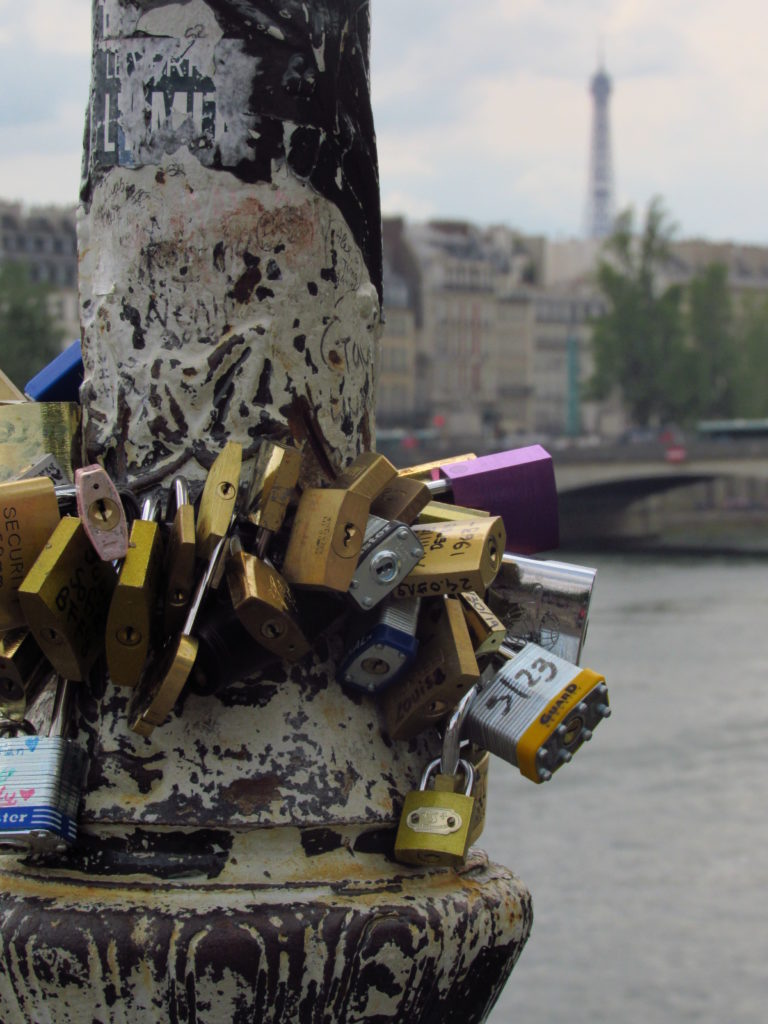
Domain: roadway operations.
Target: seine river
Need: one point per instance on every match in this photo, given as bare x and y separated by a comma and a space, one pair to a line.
647, 856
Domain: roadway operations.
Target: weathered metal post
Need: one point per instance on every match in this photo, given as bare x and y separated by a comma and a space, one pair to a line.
234, 866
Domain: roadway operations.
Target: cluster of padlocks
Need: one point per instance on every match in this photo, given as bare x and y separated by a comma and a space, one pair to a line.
447, 623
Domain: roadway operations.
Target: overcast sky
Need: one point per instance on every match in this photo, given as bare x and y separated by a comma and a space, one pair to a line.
482, 107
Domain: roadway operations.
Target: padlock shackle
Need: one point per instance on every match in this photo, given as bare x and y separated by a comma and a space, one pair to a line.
63, 702
178, 495
451, 753
434, 766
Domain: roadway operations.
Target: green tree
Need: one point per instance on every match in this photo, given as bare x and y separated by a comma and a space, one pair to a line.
712, 338
639, 343
29, 339
750, 376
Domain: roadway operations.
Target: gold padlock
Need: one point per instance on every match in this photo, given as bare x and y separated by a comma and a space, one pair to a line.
458, 556
402, 499
23, 671
425, 470
444, 670
264, 604
435, 825
326, 538
131, 616
367, 475
218, 500
65, 598
444, 512
480, 761
180, 556
275, 475
485, 628
29, 513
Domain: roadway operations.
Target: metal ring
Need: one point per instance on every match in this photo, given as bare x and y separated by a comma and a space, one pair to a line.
178, 494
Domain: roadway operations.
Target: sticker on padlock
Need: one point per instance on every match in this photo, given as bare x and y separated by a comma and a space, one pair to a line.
434, 826
381, 646
65, 599
457, 556
390, 550
180, 556
536, 710
545, 602
30, 514
101, 512
130, 623
42, 782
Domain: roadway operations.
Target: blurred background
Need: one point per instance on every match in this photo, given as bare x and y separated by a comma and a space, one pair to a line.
576, 254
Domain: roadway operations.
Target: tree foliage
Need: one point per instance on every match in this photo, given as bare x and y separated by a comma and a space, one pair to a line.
29, 339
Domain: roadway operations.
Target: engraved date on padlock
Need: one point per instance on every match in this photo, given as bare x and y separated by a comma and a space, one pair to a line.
437, 821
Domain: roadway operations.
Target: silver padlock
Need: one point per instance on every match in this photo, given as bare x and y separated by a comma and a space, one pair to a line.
545, 602
41, 783
381, 646
536, 710
389, 551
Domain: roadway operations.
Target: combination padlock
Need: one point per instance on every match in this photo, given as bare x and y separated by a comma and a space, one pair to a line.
274, 478
101, 512
536, 710
444, 669
30, 513
389, 551
218, 500
65, 599
41, 783
457, 557
263, 602
180, 556
23, 672
381, 646
435, 825
165, 678
544, 602
131, 619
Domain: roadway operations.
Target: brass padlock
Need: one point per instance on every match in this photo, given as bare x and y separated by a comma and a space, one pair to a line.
218, 500
165, 678
367, 475
431, 470
275, 475
487, 631
444, 670
65, 598
402, 499
326, 538
179, 568
130, 623
29, 513
458, 556
23, 671
101, 512
443, 512
435, 826
264, 604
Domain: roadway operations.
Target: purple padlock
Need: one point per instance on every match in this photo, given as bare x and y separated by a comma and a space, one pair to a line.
518, 485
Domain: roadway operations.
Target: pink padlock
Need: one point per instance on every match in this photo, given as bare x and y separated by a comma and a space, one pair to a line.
101, 512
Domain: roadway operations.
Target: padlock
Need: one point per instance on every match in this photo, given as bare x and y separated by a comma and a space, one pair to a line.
518, 485
165, 678
264, 604
101, 512
485, 628
434, 826
47, 465
131, 620
444, 669
431, 470
402, 499
326, 538
442, 512
381, 646
23, 671
60, 380
218, 501
454, 748
545, 602
274, 477
390, 550
29, 512
180, 556
42, 782
536, 710
29, 428
367, 475
457, 556
65, 599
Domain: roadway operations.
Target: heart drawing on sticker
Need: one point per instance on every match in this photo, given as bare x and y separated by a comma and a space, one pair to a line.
26, 793
32, 742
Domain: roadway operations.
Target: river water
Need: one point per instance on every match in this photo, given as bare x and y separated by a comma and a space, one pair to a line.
647, 856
